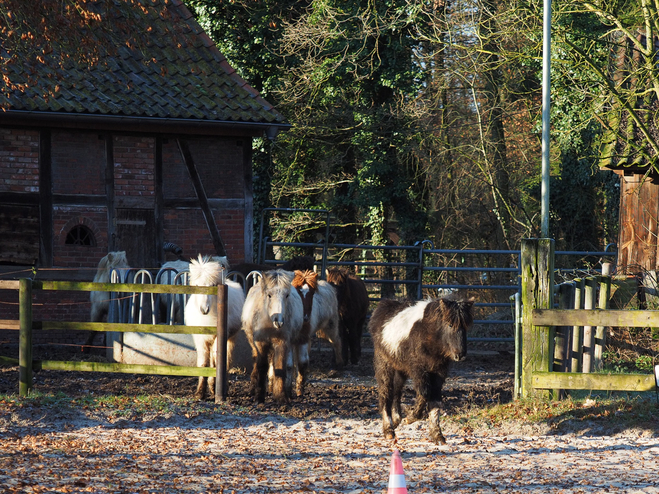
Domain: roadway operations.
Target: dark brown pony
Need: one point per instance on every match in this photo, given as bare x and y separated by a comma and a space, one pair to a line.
353, 307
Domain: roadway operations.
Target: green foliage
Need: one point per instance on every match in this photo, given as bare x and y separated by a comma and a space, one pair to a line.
417, 119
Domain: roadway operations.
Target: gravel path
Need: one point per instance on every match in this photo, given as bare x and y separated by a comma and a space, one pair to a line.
232, 453
328, 442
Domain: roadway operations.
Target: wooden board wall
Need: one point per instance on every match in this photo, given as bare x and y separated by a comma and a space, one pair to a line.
639, 225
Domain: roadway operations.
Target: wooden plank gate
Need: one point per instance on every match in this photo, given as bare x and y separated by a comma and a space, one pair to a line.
538, 348
26, 325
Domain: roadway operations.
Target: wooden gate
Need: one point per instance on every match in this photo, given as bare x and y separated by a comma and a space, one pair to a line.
26, 325
539, 323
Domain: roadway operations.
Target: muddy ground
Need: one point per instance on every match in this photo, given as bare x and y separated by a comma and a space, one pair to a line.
484, 377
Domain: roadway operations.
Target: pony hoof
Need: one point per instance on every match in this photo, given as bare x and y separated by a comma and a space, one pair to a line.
389, 434
438, 438
409, 419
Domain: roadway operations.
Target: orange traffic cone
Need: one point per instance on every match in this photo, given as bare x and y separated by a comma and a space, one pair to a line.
396, 475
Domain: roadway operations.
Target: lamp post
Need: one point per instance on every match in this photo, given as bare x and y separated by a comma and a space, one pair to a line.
656, 381
546, 101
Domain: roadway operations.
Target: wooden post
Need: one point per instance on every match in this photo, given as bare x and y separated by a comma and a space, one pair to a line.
565, 294
25, 337
537, 257
590, 296
221, 377
600, 332
577, 335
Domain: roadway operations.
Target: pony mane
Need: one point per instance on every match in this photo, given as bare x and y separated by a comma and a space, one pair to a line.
336, 276
308, 277
205, 271
277, 278
457, 313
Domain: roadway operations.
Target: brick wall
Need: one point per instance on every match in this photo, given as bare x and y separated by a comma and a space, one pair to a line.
19, 160
134, 166
78, 163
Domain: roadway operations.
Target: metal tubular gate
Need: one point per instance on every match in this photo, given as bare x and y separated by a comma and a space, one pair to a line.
420, 269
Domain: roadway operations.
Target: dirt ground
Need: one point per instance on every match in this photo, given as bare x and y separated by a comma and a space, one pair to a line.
328, 441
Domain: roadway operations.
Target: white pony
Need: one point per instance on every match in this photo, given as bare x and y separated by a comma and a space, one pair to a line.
100, 301
201, 310
169, 274
272, 320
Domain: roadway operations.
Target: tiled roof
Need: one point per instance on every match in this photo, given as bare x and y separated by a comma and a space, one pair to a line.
174, 72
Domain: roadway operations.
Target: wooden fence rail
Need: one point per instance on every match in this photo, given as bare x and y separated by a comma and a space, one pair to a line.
539, 323
26, 325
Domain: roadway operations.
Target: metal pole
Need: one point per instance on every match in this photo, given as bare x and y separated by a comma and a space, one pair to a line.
546, 100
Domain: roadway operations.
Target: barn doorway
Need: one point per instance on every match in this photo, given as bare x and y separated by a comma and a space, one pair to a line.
135, 232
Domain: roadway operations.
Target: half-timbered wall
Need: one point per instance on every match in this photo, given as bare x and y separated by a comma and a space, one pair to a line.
67, 197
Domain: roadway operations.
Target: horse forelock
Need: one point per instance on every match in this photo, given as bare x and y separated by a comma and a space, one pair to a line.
205, 272
457, 314
306, 277
336, 276
276, 279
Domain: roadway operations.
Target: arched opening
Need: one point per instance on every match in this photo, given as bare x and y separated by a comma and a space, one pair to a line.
80, 235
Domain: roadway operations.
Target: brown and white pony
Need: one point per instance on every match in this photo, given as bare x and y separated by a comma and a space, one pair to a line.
417, 340
321, 317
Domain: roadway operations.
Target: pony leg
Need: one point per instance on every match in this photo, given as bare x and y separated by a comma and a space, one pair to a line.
345, 341
280, 357
203, 360
333, 335
260, 372
399, 382
385, 376
302, 360
422, 386
434, 400
355, 340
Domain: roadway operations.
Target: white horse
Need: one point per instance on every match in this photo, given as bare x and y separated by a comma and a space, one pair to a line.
100, 301
172, 273
201, 310
272, 319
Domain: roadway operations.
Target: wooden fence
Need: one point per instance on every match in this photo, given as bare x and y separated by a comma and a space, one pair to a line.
26, 325
538, 359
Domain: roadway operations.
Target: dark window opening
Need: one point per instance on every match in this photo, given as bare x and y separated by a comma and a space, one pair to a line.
80, 235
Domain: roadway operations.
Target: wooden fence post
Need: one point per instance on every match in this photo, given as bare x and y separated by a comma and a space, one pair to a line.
25, 337
590, 298
577, 334
603, 303
537, 257
221, 378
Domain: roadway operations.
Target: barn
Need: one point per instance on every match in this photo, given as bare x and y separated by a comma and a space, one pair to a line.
122, 128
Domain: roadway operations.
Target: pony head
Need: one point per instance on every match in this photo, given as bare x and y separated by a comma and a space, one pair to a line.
452, 319
306, 284
205, 271
276, 288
